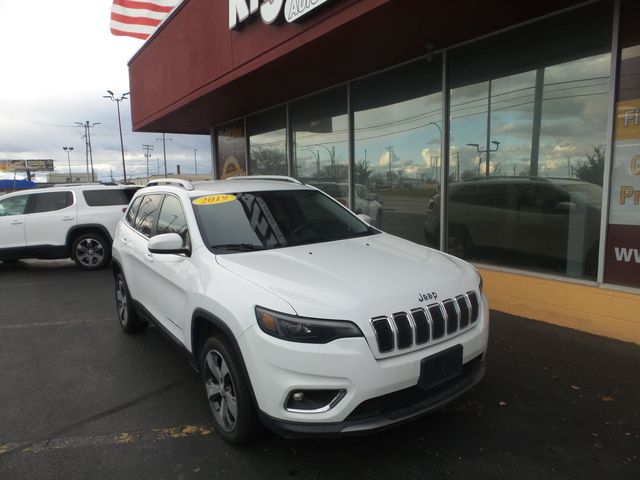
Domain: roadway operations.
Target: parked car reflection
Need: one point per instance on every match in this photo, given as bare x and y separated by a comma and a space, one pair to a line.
522, 221
366, 202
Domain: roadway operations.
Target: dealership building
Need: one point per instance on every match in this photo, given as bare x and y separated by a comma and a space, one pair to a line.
506, 133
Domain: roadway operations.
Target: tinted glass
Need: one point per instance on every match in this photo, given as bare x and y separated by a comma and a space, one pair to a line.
268, 143
13, 205
103, 198
264, 220
50, 201
147, 213
320, 139
534, 122
171, 218
397, 118
133, 209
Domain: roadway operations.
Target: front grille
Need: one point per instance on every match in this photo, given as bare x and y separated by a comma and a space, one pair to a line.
420, 326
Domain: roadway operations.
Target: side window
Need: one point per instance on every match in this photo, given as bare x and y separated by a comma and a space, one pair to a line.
13, 205
50, 201
133, 209
147, 214
172, 218
105, 198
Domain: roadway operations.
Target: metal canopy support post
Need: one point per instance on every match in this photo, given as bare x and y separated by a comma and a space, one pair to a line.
444, 149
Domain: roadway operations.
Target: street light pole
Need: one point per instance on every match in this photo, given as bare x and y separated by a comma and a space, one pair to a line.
487, 151
195, 159
118, 100
68, 150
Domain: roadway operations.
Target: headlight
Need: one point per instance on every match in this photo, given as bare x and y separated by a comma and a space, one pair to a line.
306, 330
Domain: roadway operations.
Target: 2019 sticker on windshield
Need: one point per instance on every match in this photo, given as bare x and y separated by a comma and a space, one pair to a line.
214, 199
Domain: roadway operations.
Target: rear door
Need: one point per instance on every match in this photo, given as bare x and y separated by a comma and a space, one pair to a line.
137, 261
105, 206
50, 215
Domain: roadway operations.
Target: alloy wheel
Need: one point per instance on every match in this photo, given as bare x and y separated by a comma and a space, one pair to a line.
90, 252
221, 392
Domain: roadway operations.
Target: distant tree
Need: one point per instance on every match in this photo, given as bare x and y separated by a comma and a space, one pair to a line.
468, 174
362, 172
268, 161
336, 172
592, 169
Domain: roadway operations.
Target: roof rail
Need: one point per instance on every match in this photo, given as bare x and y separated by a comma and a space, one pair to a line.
277, 178
187, 185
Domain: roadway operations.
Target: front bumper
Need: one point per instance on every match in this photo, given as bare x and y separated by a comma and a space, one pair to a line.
379, 392
385, 411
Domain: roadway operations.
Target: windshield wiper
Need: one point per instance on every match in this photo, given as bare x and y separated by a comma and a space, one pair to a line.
239, 247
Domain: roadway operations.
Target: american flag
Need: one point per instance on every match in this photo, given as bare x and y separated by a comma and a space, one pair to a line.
139, 18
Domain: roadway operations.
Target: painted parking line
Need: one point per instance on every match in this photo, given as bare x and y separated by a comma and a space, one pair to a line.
121, 438
59, 323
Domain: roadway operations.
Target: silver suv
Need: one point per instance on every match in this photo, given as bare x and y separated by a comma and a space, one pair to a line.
75, 220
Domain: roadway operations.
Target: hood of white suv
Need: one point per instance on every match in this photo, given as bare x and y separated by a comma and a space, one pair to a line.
347, 279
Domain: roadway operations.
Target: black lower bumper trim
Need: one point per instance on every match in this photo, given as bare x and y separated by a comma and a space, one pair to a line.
385, 411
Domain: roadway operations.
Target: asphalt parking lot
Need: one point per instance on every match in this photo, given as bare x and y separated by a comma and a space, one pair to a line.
82, 400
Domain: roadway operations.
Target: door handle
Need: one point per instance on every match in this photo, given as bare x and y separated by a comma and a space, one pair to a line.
16, 222
148, 257
67, 218
124, 241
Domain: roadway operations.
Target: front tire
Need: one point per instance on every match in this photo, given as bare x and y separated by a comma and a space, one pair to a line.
228, 392
129, 319
91, 251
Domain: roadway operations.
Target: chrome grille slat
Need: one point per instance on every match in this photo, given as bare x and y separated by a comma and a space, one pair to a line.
423, 325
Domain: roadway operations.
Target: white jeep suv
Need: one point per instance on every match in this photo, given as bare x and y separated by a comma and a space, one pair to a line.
299, 315
73, 220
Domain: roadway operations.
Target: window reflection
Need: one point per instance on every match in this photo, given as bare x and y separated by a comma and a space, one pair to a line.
267, 143
320, 136
527, 148
397, 116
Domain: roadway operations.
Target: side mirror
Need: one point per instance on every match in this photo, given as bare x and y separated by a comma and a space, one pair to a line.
365, 218
168, 243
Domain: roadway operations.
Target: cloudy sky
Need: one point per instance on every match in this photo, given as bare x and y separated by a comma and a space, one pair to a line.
58, 58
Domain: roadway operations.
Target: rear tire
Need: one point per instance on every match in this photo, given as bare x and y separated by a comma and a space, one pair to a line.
228, 392
129, 319
91, 251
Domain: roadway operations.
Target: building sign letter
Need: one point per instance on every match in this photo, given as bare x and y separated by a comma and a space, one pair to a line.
240, 10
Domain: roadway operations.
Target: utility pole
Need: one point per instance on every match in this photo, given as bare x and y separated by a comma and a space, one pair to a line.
390, 150
164, 152
89, 154
147, 149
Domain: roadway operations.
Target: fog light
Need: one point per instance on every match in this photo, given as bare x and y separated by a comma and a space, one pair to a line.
313, 401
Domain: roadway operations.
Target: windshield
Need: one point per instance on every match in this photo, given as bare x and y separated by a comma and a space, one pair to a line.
273, 219
589, 192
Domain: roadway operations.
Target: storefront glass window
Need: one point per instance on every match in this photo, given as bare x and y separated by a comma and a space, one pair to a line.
528, 132
231, 160
320, 139
268, 142
397, 118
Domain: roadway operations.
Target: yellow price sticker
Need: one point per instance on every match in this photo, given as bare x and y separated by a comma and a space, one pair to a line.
214, 199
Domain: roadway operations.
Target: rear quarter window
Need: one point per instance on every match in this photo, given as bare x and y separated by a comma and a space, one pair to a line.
105, 198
